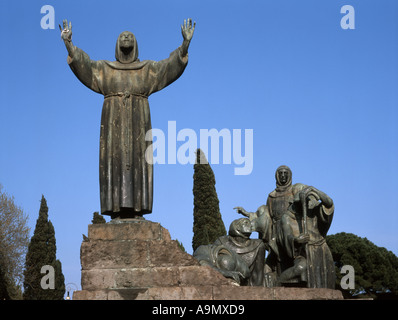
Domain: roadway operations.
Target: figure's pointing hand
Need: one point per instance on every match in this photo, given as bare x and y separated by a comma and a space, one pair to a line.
241, 211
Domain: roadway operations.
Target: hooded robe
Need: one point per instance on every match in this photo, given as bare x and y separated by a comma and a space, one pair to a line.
319, 259
285, 210
278, 203
126, 176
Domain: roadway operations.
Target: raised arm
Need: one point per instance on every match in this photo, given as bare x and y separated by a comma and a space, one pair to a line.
66, 35
187, 33
85, 69
166, 71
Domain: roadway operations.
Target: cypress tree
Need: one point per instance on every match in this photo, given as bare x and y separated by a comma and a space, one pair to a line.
41, 252
207, 221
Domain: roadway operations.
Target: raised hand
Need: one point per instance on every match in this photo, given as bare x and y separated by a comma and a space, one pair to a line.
187, 29
66, 32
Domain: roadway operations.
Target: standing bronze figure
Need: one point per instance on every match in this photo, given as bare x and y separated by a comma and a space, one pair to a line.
126, 170
293, 224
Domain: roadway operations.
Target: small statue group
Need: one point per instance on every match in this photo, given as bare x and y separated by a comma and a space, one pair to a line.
292, 227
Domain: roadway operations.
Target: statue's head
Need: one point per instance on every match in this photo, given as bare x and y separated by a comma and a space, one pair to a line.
283, 176
240, 228
126, 40
126, 48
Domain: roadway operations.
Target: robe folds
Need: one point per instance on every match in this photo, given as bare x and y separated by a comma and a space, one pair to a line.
125, 173
288, 224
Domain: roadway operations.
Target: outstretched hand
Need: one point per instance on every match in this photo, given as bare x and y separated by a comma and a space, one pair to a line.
241, 211
66, 32
187, 29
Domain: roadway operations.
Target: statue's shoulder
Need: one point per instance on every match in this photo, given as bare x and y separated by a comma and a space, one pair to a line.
262, 209
297, 187
272, 194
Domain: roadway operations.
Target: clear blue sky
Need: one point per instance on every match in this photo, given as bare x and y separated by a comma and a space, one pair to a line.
320, 99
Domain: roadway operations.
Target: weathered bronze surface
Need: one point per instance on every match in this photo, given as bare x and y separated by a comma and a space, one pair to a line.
126, 170
293, 225
235, 255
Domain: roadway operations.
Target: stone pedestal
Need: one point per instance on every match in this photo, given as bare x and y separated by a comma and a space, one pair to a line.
124, 260
137, 260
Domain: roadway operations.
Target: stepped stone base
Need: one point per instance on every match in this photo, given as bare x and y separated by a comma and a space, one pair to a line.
137, 260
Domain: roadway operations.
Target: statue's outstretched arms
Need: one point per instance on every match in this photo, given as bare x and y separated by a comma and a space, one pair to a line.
187, 33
